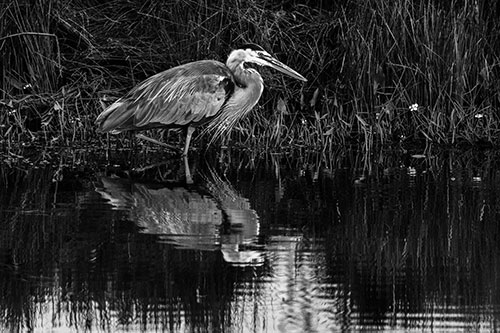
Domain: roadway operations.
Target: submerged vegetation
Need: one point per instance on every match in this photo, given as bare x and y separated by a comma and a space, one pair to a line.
379, 71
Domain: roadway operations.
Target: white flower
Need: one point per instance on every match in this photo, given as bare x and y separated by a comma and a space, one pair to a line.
412, 172
414, 107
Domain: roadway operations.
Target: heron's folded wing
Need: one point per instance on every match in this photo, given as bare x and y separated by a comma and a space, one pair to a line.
183, 95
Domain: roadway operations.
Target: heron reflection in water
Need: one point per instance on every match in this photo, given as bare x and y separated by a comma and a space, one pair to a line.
209, 216
197, 93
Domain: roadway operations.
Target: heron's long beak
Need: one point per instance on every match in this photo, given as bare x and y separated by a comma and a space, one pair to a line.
265, 59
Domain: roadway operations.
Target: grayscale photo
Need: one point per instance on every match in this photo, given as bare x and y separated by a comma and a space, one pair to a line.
249, 166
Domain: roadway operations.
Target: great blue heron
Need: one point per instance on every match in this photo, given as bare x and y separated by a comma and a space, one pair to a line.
193, 94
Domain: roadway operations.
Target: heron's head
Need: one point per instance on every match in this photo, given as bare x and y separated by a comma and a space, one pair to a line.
253, 53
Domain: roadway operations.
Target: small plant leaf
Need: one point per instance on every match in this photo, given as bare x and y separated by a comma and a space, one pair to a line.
57, 106
281, 106
314, 99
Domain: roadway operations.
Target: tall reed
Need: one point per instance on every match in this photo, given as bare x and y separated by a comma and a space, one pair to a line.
437, 56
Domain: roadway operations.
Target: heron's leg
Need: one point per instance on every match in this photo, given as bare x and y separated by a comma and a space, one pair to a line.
189, 179
190, 131
132, 154
107, 148
163, 144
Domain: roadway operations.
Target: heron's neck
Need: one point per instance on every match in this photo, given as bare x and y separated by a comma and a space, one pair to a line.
245, 77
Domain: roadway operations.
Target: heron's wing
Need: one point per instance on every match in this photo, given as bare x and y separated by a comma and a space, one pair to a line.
187, 94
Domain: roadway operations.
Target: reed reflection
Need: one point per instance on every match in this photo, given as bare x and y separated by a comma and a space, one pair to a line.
70, 262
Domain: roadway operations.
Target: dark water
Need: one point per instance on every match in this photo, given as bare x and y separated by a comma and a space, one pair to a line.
386, 241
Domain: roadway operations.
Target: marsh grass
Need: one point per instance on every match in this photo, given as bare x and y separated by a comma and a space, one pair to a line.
439, 56
367, 62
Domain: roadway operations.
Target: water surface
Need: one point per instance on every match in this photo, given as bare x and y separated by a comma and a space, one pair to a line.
392, 240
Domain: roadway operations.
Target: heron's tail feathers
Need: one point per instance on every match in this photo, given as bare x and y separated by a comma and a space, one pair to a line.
115, 118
